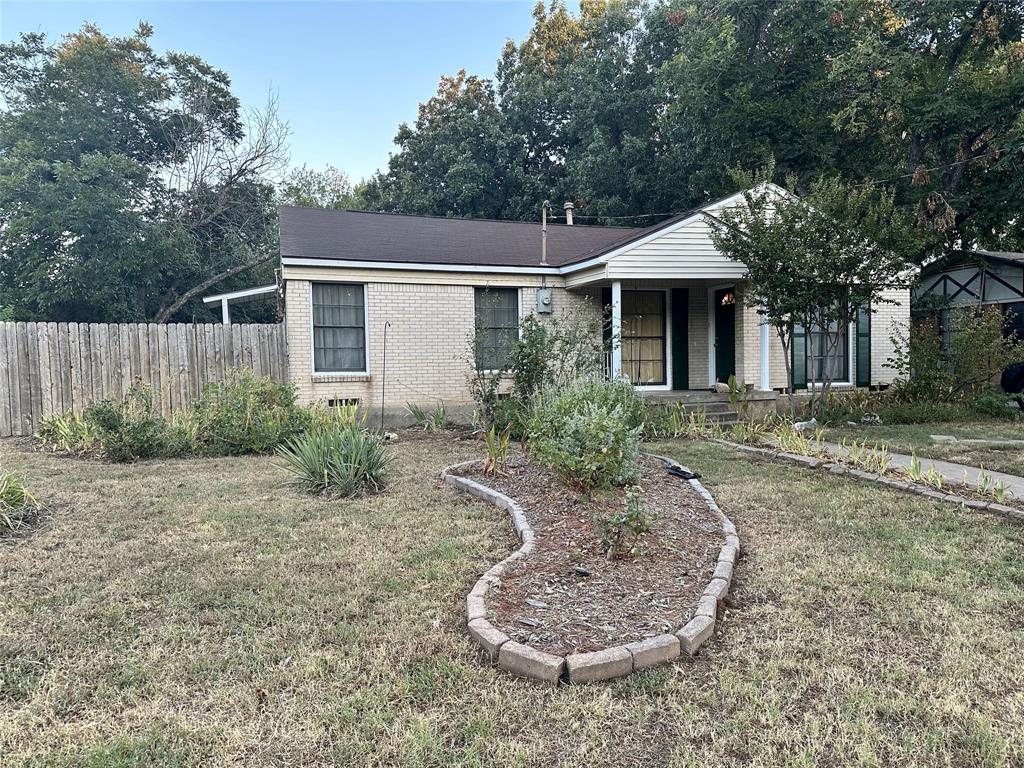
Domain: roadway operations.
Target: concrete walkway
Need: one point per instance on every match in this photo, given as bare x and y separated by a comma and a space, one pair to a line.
951, 473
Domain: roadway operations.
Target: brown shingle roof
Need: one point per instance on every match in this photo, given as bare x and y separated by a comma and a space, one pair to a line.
315, 233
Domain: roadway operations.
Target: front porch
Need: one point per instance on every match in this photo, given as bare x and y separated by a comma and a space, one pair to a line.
675, 339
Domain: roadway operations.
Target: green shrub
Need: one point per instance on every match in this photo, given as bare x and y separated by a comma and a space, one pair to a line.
18, 507
244, 413
343, 461
129, 430
588, 434
621, 531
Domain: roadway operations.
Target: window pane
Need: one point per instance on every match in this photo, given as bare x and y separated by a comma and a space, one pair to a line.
821, 359
339, 332
643, 336
497, 325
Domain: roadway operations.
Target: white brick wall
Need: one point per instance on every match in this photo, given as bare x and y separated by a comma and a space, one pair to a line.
427, 343
884, 321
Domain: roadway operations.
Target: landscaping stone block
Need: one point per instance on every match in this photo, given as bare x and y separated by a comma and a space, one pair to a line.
728, 554
718, 589
733, 540
528, 662
723, 571
599, 665
707, 606
488, 636
797, 458
654, 651
479, 589
475, 608
696, 632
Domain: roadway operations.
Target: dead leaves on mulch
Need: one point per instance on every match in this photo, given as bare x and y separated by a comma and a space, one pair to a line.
567, 597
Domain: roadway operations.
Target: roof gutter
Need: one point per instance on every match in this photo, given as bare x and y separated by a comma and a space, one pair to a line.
294, 261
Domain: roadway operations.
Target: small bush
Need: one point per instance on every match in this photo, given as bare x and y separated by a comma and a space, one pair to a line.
129, 430
18, 507
342, 461
588, 434
245, 413
621, 531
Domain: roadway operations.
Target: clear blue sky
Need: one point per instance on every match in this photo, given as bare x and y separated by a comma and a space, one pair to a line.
346, 73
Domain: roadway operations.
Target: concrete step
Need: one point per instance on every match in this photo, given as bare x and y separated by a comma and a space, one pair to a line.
710, 408
723, 418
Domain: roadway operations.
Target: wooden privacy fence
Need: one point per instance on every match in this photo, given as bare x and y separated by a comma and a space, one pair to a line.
48, 368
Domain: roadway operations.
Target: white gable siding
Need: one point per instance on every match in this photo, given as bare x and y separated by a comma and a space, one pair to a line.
683, 253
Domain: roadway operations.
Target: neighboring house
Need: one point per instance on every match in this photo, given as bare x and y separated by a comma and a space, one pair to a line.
352, 277
970, 279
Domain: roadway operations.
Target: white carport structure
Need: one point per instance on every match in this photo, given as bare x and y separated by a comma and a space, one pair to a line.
238, 297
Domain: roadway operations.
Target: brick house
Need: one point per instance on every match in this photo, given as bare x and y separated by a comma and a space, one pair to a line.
352, 278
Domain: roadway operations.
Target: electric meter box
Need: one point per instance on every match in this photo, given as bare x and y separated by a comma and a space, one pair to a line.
543, 301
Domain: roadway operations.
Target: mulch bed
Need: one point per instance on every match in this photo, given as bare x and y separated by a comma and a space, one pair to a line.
568, 597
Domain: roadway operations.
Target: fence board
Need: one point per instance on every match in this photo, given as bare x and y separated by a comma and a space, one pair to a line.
49, 368
6, 390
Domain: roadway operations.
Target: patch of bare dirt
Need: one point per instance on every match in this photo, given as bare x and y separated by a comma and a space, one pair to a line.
568, 597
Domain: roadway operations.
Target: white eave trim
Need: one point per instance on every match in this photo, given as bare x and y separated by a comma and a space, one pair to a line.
293, 261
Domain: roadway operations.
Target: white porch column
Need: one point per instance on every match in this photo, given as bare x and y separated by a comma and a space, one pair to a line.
765, 383
225, 313
616, 330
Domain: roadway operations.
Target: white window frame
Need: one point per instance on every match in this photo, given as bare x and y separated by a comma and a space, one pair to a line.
366, 331
669, 383
851, 360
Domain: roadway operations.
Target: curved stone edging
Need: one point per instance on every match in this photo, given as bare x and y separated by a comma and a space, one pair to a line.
609, 663
836, 468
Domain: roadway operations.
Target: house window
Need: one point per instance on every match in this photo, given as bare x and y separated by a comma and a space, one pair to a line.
821, 359
643, 337
339, 328
497, 326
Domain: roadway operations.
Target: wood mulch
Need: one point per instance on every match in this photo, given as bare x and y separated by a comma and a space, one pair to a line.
567, 597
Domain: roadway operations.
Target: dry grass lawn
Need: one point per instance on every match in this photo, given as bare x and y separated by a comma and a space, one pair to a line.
199, 612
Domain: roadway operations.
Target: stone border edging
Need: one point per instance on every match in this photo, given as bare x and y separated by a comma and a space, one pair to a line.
836, 468
616, 661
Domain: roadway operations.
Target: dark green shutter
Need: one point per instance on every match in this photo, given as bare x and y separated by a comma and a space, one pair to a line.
863, 348
680, 339
799, 357
606, 322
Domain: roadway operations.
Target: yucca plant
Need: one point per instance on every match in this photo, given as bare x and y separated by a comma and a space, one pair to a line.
342, 461
67, 433
497, 451
999, 491
428, 421
913, 470
18, 507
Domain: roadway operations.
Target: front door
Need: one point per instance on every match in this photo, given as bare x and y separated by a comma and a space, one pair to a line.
725, 334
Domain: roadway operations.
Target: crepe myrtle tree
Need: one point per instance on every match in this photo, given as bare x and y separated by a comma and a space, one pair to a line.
812, 262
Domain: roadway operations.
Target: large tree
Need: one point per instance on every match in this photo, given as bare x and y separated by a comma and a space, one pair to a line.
646, 108
813, 263
129, 182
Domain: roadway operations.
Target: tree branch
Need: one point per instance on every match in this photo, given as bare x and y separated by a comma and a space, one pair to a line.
167, 311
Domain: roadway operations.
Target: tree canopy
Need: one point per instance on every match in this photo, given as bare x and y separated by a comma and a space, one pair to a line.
644, 108
129, 182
